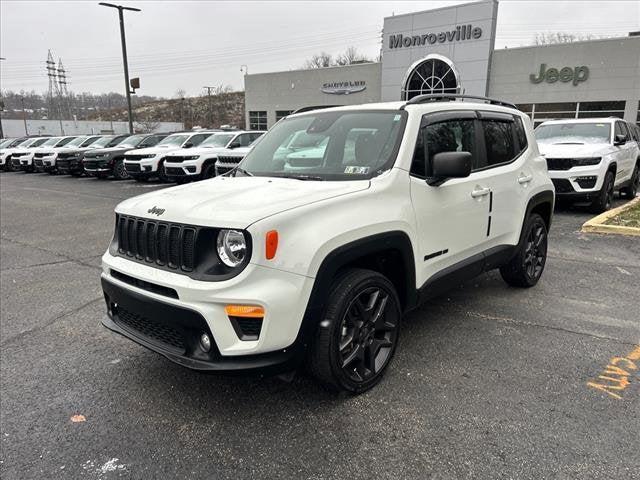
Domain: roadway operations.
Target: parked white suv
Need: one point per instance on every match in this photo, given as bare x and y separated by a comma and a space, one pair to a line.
49, 156
36, 162
262, 269
197, 163
13, 149
145, 163
590, 158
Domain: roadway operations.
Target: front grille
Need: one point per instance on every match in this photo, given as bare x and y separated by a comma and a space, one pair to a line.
40, 155
94, 164
559, 163
132, 167
174, 171
227, 163
180, 158
562, 185
148, 286
154, 331
151, 241
39, 162
135, 158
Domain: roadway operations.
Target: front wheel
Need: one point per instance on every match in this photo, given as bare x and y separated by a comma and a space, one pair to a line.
162, 174
119, 172
603, 201
209, 171
358, 332
526, 267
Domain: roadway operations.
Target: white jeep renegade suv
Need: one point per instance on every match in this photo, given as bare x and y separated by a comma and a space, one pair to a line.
590, 158
276, 263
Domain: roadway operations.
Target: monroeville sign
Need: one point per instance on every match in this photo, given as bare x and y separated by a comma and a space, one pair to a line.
564, 74
459, 33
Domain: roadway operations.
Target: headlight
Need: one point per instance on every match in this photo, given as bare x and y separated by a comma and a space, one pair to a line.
232, 247
581, 162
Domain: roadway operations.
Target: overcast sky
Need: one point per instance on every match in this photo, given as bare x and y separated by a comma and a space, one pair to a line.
185, 45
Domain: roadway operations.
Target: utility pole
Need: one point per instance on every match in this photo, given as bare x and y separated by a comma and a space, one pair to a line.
24, 117
209, 107
182, 112
124, 55
1, 108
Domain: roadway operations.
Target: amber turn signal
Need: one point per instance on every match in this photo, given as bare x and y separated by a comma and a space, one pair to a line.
247, 311
271, 244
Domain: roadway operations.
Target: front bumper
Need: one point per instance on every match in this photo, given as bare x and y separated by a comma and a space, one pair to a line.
69, 165
578, 183
186, 168
178, 302
148, 166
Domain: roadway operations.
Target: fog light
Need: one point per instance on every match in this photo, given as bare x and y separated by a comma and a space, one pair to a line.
205, 342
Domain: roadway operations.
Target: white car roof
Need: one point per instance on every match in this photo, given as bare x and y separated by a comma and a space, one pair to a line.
581, 120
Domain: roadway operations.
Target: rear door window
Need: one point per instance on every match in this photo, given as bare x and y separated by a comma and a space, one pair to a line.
499, 140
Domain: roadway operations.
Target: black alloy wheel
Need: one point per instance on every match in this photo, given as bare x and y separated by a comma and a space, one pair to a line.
526, 267
357, 333
119, 171
632, 190
535, 252
162, 174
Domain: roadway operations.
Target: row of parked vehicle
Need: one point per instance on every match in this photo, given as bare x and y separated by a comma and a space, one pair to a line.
178, 157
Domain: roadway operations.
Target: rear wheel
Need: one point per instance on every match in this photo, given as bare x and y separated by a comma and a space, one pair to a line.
632, 190
526, 267
119, 172
605, 197
358, 332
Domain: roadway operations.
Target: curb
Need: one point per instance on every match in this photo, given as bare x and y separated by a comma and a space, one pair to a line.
596, 224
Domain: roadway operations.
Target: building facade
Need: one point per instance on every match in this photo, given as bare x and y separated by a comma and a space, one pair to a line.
451, 50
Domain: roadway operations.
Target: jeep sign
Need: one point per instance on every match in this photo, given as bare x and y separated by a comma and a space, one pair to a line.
565, 74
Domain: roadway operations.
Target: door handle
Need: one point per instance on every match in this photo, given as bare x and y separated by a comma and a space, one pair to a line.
480, 192
525, 179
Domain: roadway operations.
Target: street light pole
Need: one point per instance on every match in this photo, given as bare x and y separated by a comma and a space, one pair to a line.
124, 55
24, 117
1, 108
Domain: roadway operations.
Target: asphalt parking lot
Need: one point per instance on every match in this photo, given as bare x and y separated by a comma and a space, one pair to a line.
488, 381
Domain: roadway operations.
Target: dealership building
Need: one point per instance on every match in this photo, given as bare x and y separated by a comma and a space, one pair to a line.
451, 50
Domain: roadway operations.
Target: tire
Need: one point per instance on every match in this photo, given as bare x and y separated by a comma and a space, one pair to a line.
162, 175
605, 197
631, 190
526, 267
119, 172
208, 171
358, 332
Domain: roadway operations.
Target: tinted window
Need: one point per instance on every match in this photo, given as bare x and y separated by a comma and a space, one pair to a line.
64, 141
244, 139
498, 138
521, 134
621, 129
449, 136
197, 139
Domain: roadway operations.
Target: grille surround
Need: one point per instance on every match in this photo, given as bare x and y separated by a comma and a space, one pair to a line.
176, 247
562, 185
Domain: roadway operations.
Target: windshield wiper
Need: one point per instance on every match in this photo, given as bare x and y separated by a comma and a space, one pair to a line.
303, 177
243, 171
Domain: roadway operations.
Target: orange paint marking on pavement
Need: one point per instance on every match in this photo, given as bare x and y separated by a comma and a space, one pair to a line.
616, 374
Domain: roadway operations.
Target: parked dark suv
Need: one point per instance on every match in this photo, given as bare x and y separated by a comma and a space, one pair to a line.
69, 162
107, 162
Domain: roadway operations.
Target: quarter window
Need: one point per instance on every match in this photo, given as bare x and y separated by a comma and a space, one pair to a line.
521, 135
498, 138
258, 120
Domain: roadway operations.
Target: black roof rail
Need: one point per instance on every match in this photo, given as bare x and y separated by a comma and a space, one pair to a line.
450, 97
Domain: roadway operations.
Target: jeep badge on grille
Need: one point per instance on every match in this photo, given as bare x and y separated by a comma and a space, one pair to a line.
156, 211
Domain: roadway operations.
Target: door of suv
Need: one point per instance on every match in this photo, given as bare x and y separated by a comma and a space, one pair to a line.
450, 218
626, 154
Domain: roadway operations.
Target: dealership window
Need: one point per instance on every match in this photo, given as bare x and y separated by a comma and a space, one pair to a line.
434, 74
258, 120
540, 112
601, 109
280, 114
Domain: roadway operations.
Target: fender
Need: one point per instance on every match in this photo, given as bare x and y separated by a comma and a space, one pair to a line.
541, 198
348, 254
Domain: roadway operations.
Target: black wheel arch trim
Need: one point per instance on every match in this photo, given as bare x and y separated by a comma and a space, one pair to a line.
540, 198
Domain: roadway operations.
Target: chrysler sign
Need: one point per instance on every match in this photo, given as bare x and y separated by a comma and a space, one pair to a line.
343, 88
459, 33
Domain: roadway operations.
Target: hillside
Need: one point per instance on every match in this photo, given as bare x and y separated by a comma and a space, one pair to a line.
226, 109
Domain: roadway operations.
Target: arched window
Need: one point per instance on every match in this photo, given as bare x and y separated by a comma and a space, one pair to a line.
433, 74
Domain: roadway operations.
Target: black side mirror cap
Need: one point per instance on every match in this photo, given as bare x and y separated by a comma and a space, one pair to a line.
619, 140
188, 145
445, 165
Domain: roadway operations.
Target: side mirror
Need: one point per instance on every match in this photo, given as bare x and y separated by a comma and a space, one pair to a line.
619, 140
234, 145
188, 145
445, 165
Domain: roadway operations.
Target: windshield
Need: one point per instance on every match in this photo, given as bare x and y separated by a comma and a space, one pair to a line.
5, 143
174, 140
217, 140
347, 145
132, 141
573, 133
51, 141
102, 142
77, 142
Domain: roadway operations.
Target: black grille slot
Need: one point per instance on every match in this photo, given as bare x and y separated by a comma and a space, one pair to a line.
170, 245
247, 328
155, 331
132, 167
562, 185
174, 247
188, 243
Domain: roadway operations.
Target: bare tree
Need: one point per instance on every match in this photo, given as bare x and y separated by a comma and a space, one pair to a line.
319, 60
180, 93
351, 56
146, 125
554, 38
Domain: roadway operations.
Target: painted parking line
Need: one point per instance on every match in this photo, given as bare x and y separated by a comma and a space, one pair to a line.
615, 377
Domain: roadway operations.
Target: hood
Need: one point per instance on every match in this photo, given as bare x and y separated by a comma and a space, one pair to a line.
101, 151
199, 151
574, 151
156, 149
235, 202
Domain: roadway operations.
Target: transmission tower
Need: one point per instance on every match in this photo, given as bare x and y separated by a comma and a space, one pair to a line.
63, 91
53, 85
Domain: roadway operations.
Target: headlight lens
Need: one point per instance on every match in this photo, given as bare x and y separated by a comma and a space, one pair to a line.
232, 247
